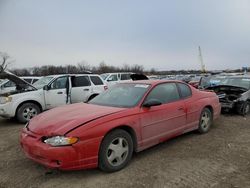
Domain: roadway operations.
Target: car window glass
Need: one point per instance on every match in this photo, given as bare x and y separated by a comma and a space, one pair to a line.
80, 81
164, 92
34, 80
10, 84
125, 77
96, 80
113, 77
59, 83
28, 80
184, 90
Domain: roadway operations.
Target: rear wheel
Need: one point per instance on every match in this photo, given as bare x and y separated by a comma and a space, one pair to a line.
27, 111
205, 121
115, 151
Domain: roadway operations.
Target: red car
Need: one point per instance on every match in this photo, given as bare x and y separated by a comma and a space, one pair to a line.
129, 117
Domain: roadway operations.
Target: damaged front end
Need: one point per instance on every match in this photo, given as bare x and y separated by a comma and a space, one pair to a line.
233, 98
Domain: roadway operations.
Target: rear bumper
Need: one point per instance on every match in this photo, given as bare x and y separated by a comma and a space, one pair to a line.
64, 157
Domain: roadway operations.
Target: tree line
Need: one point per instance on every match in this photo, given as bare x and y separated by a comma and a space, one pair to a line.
84, 67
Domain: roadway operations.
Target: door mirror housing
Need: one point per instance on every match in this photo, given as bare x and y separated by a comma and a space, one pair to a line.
46, 87
152, 102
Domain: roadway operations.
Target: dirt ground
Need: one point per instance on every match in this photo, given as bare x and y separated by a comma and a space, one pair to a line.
220, 159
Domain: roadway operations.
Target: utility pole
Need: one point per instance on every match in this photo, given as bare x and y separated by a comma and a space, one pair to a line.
203, 69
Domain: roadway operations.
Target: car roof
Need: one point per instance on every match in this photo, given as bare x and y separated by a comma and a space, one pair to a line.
154, 82
58, 75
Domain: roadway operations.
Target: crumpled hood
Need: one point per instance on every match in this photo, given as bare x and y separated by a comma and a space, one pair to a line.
61, 120
227, 87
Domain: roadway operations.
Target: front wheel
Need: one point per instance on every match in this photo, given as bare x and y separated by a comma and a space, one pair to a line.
27, 111
115, 151
205, 121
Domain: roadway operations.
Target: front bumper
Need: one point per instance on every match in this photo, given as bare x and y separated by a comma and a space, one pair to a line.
64, 157
7, 110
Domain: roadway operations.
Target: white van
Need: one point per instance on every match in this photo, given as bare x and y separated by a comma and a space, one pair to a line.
7, 85
48, 92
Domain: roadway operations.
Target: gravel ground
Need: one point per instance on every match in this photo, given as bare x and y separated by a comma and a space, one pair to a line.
220, 159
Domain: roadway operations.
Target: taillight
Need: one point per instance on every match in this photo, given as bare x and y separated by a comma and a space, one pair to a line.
105, 87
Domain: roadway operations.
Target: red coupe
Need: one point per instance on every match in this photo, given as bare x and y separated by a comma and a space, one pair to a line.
129, 117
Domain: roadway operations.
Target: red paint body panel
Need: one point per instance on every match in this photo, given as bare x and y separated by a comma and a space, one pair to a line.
90, 123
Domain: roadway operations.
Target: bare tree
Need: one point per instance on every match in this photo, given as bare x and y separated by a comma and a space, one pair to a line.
5, 61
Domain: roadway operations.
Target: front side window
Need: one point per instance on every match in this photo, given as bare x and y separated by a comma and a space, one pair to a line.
112, 78
164, 93
96, 80
80, 81
185, 90
59, 83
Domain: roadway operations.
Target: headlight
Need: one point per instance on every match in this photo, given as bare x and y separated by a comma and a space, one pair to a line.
60, 141
4, 100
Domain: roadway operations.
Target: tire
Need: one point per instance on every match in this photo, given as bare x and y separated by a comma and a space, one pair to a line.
206, 120
27, 111
115, 151
244, 108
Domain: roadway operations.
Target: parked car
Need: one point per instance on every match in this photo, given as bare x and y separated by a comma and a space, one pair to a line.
128, 118
51, 91
234, 93
113, 78
7, 85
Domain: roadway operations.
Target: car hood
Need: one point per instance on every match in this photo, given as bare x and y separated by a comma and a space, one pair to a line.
61, 120
18, 81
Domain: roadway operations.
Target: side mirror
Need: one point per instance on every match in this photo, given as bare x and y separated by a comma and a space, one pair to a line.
152, 102
109, 79
46, 88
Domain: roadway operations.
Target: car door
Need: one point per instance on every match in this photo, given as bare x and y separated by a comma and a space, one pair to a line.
192, 107
161, 122
57, 94
81, 88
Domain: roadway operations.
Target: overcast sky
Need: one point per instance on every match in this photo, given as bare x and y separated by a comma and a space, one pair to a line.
160, 34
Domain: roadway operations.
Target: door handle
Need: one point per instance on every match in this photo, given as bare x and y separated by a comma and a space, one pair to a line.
59, 92
180, 108
85, 89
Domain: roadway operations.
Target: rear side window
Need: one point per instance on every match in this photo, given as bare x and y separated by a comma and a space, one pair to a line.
164, 92
96, 80
80, 81
185, 90
125, 77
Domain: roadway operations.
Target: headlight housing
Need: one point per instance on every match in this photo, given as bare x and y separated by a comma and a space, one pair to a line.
4, 100
60, 140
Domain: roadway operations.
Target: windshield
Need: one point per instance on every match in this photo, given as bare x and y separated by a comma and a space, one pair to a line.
104, 76
121, 95
42, 82
238, 82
